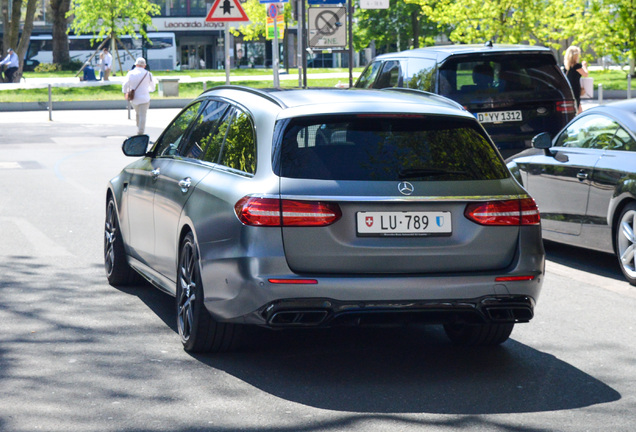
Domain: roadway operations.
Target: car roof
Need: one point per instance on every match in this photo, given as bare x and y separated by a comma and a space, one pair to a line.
442, 52
624, 111
296, 102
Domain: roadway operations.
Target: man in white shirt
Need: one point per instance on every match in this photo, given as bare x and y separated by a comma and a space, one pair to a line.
107, 63
140, 80
12, 62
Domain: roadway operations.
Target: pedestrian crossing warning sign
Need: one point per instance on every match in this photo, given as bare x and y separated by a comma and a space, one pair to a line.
226, 11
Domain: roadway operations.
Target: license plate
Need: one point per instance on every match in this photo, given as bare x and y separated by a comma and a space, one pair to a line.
499, 116
405, 223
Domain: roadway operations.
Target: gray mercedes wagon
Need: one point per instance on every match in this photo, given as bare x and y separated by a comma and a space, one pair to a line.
308, 208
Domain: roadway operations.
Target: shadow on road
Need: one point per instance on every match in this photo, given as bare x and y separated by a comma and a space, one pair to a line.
599, 263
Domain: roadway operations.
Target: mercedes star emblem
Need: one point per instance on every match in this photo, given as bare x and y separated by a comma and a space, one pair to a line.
406, 188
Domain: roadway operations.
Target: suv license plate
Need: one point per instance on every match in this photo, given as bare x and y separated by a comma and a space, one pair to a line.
405, 223
499, 116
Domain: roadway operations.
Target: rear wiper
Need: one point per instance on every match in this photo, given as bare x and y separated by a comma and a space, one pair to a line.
412, 173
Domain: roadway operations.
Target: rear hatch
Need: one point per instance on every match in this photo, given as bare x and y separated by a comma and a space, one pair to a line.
393, 191
513, 96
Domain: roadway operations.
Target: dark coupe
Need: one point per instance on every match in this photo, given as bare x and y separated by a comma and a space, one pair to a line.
584, 181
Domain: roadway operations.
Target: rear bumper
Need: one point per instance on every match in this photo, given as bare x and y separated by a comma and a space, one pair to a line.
329, 312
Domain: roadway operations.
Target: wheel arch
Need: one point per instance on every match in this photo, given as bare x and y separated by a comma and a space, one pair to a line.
615, 210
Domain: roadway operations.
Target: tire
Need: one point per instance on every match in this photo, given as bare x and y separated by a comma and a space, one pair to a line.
199, 331
118, 272
626, 242
478, 334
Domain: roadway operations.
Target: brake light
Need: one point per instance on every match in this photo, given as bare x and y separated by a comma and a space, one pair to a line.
509, 212
255, 211
566, 107
514, 278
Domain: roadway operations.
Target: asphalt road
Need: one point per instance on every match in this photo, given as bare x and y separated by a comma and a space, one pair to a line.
79, 355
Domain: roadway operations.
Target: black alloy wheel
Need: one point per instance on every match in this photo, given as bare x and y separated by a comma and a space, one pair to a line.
199, 331
626, 242
117, 269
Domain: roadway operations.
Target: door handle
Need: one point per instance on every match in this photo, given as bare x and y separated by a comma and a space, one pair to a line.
185, 184
155, 173
581, 175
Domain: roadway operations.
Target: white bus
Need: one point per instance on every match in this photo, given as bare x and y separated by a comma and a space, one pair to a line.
162, 51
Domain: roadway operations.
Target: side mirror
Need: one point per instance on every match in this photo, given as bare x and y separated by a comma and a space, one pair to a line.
136, 145
542, 141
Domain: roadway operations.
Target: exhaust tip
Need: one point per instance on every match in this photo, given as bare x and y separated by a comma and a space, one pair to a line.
298, 318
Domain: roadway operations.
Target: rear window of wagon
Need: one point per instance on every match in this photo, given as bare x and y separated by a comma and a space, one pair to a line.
386, 148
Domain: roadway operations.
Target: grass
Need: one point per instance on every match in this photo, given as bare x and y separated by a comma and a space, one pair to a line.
186, 90
611, 80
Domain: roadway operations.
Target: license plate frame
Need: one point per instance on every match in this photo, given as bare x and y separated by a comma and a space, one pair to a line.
403, 223
500, 116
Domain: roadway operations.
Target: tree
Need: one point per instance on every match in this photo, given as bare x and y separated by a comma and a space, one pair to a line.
60, 9
12, 38
112, 19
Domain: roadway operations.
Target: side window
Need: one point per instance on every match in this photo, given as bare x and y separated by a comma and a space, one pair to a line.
212, 150
203, 130
368, 75
623, 141
592, 131
390, 75
420, 74
169, 142
239, 150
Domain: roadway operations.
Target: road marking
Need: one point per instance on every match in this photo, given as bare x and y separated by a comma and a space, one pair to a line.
9, 165
43, 244
610, 284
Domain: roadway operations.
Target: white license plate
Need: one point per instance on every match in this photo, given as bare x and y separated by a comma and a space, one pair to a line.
499, 116
405, 223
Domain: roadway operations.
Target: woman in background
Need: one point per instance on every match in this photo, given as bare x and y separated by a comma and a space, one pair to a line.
574, 70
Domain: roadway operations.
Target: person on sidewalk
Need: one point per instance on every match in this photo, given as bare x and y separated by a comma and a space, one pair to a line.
574, 71
106, 63
12, 63
141, 81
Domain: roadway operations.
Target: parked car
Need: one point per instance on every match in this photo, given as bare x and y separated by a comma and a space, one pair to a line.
515, 91
312, 208
584, 181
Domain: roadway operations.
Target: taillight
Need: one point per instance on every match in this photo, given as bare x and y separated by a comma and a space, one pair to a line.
509, 212
566, 107
256, 211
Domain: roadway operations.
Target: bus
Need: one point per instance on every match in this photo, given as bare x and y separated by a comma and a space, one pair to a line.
162, 51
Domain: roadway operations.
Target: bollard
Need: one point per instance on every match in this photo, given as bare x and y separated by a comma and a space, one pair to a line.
50, 105
128, 108
629, 86
205, 86
600, 93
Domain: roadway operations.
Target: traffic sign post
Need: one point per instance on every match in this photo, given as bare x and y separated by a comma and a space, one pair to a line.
272, 12
226, 11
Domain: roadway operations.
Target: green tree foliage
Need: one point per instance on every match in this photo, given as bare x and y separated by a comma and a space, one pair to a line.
401, 26
107, 18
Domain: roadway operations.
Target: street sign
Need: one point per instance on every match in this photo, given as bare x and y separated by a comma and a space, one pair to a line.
327, 27
226, 11
270, 1
326, 2
374, 4
280, 25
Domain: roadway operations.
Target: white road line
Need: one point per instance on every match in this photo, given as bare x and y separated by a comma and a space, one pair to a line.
40, 242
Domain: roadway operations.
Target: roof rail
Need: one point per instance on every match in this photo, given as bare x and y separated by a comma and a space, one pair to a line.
260, 92
425, 93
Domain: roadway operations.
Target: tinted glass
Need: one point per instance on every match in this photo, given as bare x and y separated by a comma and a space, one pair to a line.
503, 77
390, 75
368, 75
420, 74
388, 148
239, 149
169, 142
203, 130
212, 151
592, 131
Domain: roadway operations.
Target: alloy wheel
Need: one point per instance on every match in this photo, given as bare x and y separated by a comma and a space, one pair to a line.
187, 291
626, 242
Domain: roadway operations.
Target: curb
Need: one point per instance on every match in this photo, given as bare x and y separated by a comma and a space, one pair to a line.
87, 105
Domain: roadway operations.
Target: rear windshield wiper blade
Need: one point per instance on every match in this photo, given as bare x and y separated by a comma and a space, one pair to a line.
412, 173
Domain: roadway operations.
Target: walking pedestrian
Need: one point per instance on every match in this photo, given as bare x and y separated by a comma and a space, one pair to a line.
12, 63
141, 82
574, 70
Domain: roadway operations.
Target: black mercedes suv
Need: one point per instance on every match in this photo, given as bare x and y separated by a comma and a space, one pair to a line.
515, 91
